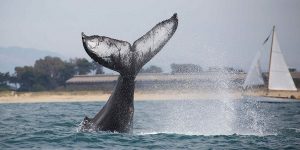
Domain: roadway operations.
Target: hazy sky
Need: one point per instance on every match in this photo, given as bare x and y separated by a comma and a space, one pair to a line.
210, 33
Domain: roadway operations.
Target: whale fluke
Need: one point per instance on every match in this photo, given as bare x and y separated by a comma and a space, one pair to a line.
120, 56
127, 59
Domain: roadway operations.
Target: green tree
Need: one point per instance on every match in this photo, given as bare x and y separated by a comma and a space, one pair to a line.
50, 66
185, 68
151, 69
82, 66
48, 72
4, 80
66, 72
97, 68
25, 77
51, 72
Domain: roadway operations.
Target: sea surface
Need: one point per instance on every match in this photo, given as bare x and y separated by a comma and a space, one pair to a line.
249, 123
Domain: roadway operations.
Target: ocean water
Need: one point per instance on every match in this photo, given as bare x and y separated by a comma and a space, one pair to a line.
182, 124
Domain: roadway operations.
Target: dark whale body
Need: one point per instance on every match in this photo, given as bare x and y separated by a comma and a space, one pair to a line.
117, 114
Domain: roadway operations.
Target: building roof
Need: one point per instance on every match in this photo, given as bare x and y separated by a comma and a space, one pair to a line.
211, 76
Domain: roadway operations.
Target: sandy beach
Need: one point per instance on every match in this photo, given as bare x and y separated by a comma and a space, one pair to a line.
274, 94
89, 96
86, 96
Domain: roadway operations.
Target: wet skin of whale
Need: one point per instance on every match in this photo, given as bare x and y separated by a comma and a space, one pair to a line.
117, 114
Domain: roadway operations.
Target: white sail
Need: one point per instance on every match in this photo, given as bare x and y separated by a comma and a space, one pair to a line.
254, 75
279, 77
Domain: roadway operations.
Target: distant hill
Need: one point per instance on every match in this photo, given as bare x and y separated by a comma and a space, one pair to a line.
10, 57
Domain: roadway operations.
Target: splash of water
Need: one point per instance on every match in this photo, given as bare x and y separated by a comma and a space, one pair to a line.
225, 115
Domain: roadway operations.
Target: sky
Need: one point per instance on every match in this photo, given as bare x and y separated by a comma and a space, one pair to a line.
210, 32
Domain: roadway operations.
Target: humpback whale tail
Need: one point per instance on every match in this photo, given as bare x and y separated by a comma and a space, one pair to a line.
125, 58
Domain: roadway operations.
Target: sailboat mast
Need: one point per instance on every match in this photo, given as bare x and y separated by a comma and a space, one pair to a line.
271, 56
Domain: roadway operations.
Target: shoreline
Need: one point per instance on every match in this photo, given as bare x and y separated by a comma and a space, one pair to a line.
91, 96
101, 96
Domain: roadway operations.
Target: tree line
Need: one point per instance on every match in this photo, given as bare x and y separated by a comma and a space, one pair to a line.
51, 73
48, 73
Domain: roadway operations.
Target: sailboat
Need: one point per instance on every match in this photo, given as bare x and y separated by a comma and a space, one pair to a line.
278, 78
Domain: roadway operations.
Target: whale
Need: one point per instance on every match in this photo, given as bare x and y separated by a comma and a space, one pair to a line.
126, 59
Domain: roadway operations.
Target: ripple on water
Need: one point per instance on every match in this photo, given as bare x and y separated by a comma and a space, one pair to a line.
157, 125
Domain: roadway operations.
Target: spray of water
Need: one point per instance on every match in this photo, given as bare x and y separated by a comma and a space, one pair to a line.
222, 115
211, 117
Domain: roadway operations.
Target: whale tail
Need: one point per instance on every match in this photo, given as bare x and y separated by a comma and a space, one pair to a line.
125, 58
